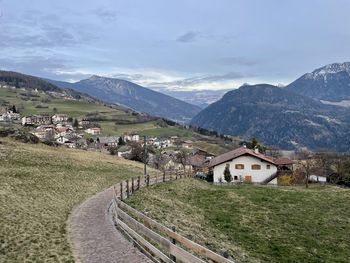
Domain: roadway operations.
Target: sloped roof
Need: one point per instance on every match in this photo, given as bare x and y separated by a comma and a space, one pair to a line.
197, 160
237, 153
283, 161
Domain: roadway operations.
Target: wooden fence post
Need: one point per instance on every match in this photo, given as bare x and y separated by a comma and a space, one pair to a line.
132, 185
176, 175
138, 183
147, 179
163, 176
121, 190
173, 258
127, 188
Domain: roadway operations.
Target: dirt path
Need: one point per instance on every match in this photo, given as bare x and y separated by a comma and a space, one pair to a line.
94, 237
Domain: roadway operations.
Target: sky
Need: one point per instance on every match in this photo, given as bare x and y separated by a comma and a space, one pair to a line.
174, 44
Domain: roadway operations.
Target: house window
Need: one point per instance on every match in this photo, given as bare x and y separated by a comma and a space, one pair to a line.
235, 178
239, 166
256, 166
268, 166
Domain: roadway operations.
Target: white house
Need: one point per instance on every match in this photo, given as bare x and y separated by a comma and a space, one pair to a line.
132, 137
59, 118
93, 131
245, 166
318, 178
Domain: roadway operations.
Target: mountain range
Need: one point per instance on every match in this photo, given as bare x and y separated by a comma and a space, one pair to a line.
289, 117
298, 115
278, 117
329, 83
134, 96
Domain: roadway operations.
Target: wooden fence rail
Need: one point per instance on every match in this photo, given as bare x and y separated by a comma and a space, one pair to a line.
164, 244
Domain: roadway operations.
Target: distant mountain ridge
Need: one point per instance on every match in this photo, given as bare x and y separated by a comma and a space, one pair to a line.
134, 96
329, 83
278, 117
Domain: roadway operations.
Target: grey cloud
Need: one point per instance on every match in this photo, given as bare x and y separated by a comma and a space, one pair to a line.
240, 61
130, 77
106, 15
187, 37
35, 29
37, 65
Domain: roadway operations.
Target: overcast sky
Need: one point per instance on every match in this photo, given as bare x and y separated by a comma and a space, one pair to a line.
179, 44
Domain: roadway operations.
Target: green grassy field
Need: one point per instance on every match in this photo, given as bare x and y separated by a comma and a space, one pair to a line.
255, 223
110, 128
71, 107
168, 132
211, 148
39, 186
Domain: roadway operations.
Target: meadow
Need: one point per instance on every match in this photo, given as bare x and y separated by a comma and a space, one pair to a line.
39, 186
255, 223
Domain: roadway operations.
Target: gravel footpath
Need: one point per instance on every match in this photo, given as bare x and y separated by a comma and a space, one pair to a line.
94, 237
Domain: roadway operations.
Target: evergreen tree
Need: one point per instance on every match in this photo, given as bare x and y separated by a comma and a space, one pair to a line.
75, 123
121, 141
227, 174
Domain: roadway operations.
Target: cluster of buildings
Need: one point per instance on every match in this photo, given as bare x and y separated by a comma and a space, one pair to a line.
57, 128
9, 116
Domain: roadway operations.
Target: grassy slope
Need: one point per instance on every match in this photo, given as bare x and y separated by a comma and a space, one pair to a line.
167, 132
39, 186
211, 148
256, 224
110, 128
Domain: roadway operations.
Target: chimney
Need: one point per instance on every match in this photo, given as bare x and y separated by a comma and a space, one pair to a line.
256, 150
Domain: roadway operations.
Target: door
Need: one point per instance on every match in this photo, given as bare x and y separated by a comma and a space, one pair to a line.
248, 179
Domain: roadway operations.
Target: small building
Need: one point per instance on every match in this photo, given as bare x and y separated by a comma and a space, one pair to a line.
83, 122
111, 141
187, 144
62, 131
93, 131
36, 120
318, 179
246, 165
59, 118
44, 132
131, 137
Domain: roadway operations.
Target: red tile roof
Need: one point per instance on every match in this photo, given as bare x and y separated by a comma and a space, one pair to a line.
283, 161
237, 153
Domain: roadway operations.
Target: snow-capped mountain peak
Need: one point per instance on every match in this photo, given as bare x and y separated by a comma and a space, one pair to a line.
333, 69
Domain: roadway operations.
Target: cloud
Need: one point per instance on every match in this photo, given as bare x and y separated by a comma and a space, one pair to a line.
106, 15
35, 29
189, 82
190, 36
240, 61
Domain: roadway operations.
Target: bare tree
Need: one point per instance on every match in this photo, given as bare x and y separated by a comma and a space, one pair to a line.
308, 165
182, 157
160, 161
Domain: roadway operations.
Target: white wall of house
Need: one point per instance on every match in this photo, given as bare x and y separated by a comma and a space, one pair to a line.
257, 176
317, 178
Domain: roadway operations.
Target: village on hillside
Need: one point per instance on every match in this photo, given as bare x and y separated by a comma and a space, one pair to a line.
240, 165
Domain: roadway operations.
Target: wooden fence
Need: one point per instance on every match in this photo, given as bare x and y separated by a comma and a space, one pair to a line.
162, 244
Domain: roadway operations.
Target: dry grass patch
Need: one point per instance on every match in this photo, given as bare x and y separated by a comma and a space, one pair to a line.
39, 186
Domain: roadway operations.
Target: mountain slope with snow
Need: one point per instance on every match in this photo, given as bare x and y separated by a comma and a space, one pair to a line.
329, 83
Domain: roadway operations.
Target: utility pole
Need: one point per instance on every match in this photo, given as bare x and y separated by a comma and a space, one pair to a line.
144, 156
